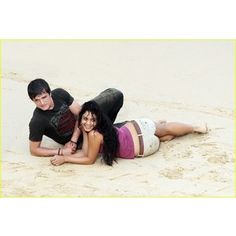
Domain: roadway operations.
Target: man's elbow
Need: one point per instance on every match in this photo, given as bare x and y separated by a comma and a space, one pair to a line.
33, 152
34, 148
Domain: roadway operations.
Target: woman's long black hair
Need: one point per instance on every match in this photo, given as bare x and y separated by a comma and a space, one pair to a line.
104, 126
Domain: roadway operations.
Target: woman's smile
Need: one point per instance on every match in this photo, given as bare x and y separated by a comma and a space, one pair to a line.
88, 121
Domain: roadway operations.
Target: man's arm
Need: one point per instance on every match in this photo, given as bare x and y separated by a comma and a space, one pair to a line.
75, 109
36, 150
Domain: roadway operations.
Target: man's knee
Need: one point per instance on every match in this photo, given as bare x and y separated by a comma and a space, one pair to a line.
114, 96
119, 96
115, 92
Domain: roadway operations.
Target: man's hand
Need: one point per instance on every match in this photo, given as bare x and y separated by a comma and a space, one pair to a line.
65, 151
71, 145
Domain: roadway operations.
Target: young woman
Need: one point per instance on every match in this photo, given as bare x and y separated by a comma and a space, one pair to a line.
136, 138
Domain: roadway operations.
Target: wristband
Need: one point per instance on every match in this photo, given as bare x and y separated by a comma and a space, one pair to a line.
73, 142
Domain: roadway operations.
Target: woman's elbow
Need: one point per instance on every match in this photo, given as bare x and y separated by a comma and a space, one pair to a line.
90, 161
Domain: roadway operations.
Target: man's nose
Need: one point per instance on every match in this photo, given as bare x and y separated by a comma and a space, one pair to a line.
42, 102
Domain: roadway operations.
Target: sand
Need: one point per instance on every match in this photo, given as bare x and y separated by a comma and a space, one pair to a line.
187, 81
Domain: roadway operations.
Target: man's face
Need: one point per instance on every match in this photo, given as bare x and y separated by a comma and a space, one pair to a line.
44, 101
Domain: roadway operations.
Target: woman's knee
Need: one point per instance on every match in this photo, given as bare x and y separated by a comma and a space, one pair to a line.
166, 138
161, 129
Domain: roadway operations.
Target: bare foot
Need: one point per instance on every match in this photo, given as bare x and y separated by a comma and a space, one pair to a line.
200, 129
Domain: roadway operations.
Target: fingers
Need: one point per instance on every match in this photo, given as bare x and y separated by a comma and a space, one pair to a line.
73, 146
69, 149
53, 161
70, 145
57, 160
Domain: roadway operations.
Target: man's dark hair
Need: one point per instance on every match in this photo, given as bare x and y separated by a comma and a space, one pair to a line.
37, 87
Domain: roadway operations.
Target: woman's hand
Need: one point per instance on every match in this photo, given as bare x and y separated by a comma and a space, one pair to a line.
57, 160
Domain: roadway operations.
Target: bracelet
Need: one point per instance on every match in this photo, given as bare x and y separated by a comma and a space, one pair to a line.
73, 142
58, 153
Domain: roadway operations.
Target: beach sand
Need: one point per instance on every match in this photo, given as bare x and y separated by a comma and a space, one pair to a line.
189, 81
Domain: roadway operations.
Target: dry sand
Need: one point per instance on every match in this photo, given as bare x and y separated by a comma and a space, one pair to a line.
188, 81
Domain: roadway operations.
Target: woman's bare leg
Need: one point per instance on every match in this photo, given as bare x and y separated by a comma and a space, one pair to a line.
169, 130
166, 138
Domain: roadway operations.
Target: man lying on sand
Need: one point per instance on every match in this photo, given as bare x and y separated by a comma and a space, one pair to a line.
56, 115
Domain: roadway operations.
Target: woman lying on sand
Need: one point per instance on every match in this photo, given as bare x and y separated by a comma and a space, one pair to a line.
136, 138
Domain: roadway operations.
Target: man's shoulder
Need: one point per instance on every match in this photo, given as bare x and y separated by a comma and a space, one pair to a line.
37, 117
62, 95
59, 91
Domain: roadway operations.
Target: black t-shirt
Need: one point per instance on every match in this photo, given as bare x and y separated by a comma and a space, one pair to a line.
58, 123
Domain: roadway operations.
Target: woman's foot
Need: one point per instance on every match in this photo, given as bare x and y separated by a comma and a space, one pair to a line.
200, 129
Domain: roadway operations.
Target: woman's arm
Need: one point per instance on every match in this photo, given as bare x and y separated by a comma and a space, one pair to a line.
94, 141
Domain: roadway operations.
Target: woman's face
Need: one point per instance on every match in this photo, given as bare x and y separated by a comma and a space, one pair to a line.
88, 121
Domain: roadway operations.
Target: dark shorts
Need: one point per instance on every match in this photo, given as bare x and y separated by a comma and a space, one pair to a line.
110, 102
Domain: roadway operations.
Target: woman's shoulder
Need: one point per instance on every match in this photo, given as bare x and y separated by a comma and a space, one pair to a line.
94, 134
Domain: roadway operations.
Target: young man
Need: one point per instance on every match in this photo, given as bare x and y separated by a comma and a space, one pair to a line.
56, 114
